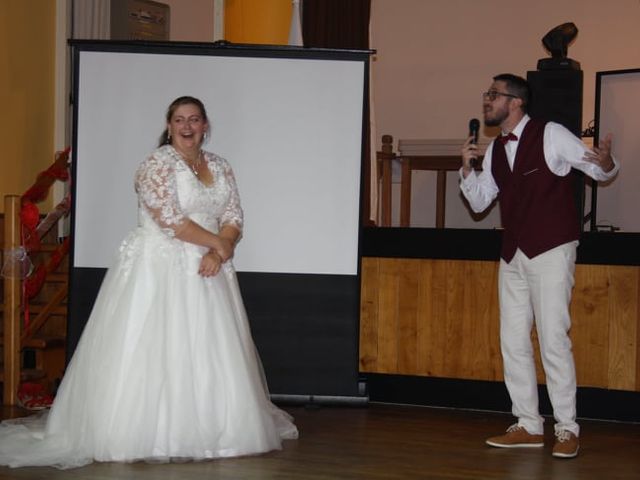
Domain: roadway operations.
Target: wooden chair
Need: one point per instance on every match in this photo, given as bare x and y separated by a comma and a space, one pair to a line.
439, 155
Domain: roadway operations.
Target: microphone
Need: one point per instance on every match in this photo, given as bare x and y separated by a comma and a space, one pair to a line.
474, 128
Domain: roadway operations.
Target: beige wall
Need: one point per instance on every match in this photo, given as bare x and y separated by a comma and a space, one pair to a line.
191, 20
435, 57
27, 82
27, 42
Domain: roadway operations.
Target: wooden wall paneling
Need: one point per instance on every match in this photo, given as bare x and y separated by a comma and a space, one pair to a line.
483, 322
388, 316
458, 340
408, 283
430, 361
590, 325
493, 338
623, 328
440, 318
433, 313
369, 314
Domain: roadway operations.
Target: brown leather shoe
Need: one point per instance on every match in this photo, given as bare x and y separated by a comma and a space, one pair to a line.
567, 445
516, 437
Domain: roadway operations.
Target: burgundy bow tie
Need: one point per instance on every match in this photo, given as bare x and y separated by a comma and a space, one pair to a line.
505, 138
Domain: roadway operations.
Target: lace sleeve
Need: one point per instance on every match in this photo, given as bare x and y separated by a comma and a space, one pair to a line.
155, 183
232, 214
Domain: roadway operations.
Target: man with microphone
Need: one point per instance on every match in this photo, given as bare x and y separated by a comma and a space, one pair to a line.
527, 169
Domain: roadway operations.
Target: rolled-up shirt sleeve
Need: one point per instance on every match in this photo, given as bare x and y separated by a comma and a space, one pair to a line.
563, 150
480, 189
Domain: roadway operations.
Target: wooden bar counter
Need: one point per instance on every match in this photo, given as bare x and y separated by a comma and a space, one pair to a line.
438, 317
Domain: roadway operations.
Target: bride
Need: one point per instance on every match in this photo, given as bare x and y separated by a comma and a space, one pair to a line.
166, 368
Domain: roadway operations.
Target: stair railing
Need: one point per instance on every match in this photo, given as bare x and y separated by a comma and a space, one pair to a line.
12, 301
23, 231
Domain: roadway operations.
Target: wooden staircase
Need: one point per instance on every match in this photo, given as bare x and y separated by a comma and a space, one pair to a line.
39, 351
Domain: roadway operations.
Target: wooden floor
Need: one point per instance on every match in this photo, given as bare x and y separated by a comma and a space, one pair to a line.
393, 442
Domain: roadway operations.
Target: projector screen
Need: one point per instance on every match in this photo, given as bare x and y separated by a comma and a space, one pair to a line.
291, 128
617, 113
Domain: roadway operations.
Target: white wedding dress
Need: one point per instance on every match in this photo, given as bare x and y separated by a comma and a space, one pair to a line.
166, 367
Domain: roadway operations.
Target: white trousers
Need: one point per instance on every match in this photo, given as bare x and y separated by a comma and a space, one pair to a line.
539, 288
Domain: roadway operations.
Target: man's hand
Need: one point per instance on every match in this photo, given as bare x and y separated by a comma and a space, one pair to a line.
469, 154
601, 155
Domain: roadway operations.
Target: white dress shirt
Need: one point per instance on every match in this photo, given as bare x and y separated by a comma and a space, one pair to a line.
562, 151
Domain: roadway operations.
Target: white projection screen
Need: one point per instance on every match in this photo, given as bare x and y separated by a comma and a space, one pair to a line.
291, 128
617, 101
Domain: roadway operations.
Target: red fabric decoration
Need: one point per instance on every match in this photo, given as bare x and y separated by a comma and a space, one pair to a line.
29, 215
34, 282
58, 171
30, 219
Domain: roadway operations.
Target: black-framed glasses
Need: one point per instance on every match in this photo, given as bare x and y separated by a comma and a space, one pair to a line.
493, 94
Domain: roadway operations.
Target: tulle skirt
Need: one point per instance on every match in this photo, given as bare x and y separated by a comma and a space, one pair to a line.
166, 369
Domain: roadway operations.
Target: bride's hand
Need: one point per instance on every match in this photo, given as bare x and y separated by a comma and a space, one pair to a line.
210, 264
224, 248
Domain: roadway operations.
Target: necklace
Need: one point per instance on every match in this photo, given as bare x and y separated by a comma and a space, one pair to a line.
194, 165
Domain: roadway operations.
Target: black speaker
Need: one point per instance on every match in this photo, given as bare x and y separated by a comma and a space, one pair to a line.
556, 95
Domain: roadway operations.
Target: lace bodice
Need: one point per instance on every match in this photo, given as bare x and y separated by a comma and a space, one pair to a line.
169, 194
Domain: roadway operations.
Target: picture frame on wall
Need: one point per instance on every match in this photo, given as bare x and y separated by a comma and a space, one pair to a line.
140, 20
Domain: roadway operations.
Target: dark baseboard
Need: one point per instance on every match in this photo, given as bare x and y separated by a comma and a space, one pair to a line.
596, 248
594, 403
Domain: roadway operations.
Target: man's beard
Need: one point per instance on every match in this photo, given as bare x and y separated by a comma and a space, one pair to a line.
497, 119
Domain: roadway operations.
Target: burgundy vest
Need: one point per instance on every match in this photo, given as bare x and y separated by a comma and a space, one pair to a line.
537, 207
